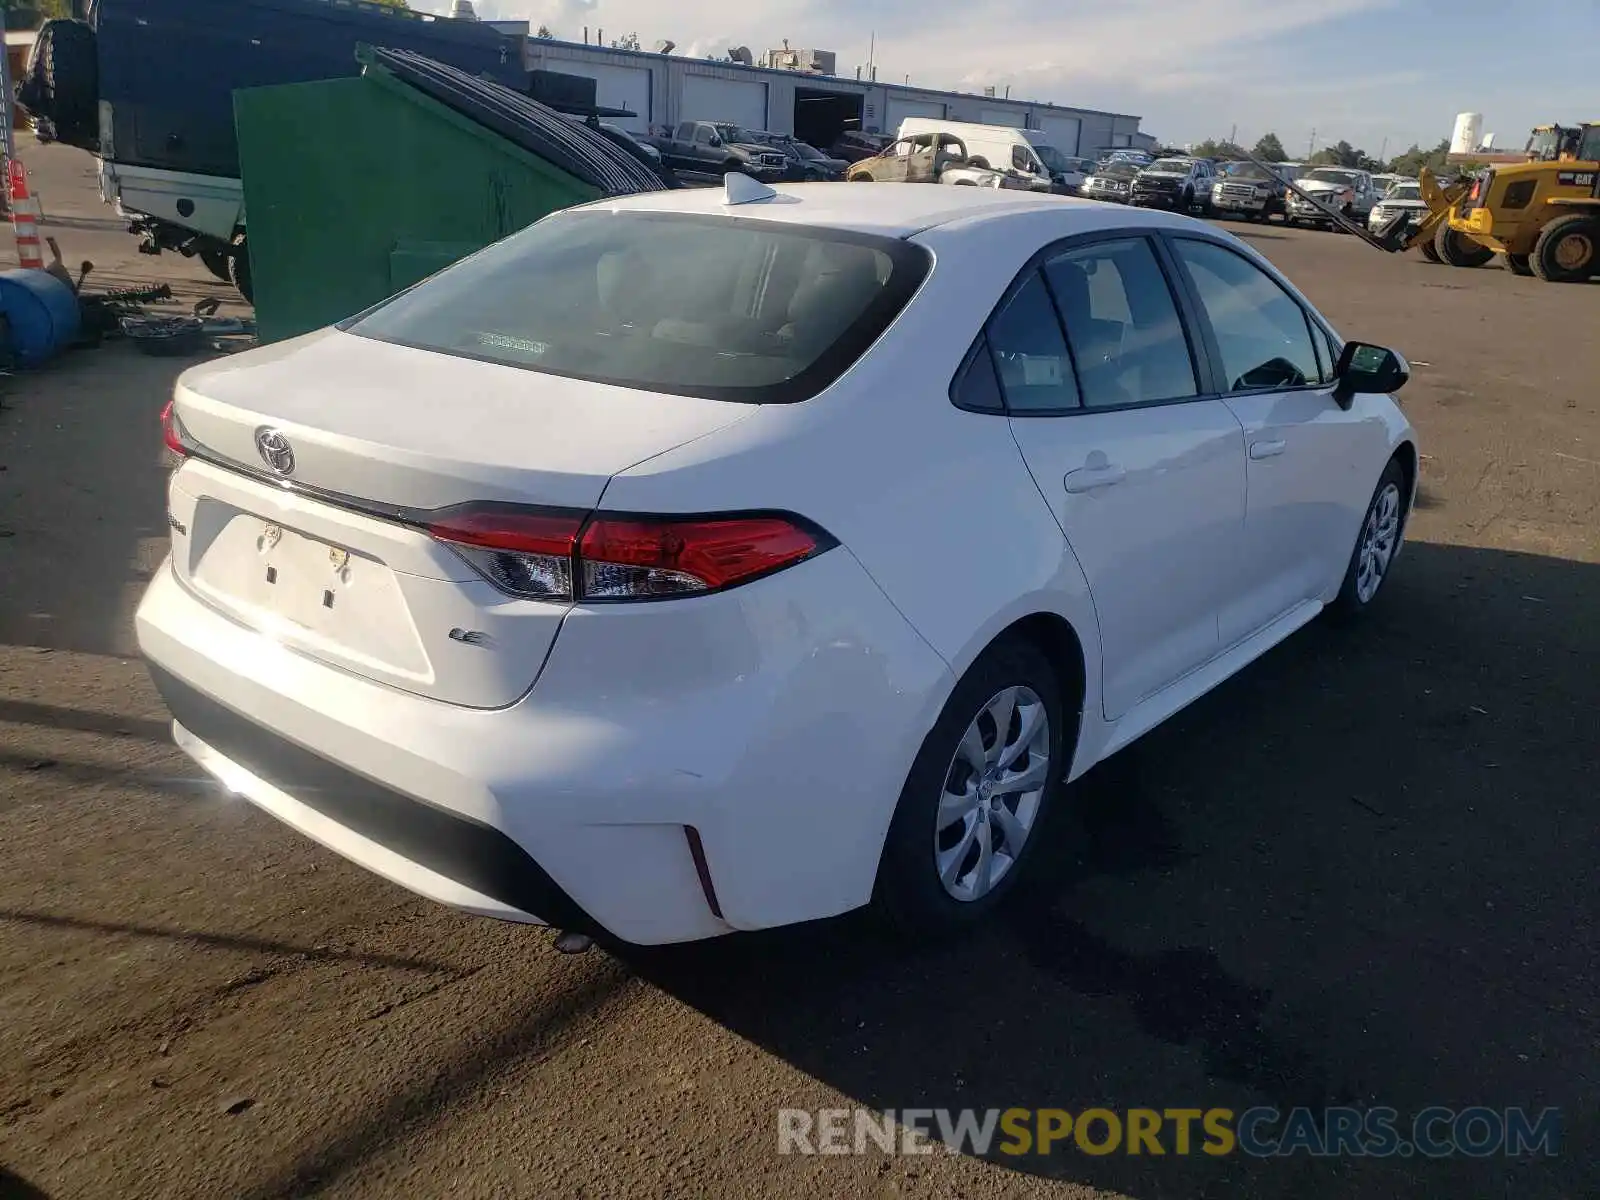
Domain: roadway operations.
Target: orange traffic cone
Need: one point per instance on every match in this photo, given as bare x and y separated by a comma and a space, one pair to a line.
24, 216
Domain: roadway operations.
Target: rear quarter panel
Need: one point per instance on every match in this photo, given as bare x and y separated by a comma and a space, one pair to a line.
935, 502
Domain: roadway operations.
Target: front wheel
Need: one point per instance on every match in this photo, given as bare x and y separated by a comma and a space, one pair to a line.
1568, 250
1376, 545
1458, 250
1429, 251
986, 776
1518, 264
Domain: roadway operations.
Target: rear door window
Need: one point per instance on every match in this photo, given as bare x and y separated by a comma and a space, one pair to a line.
700, 306
1127, 339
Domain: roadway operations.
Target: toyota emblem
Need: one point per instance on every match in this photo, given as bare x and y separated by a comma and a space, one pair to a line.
275, 450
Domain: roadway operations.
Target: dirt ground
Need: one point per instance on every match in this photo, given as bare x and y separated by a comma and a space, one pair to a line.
1362, 872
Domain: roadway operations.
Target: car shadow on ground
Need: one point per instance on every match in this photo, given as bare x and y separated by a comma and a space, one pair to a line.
1359, 873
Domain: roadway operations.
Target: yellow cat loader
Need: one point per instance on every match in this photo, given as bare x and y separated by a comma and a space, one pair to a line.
1543, 215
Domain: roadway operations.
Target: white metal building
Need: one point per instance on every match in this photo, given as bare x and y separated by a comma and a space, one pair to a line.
665, 89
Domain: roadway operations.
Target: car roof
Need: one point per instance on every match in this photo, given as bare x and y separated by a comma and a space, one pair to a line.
887, 209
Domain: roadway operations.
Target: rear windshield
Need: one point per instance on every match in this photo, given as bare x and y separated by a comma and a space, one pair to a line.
725, 308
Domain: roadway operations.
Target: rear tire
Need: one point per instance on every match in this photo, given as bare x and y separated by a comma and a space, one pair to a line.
216, 261
1518, 264
239, 268
1568, 250
1377, 544
1429, 251
1457, 250
959, 812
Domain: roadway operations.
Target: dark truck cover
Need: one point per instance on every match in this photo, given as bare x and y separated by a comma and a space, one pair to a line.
169, 67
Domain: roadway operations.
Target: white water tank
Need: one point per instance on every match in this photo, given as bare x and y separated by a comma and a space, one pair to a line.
1469, 132
461, 10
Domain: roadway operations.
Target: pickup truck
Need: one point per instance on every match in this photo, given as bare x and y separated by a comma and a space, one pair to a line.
716, 148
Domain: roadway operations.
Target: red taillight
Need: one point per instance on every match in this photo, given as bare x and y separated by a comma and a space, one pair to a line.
171, 433
1477, 189
547, 555
638, 558
526, 552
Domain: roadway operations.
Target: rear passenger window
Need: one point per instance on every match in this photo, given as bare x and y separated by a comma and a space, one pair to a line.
1263, 334
1123, 325
1030, 355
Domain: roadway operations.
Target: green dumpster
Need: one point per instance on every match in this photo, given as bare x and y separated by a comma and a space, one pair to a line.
357, 188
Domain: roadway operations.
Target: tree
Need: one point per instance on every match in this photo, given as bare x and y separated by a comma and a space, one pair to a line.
1340, 154
393, 3
544, 32
628, 41
1212, 148
1414, 159
1269, 149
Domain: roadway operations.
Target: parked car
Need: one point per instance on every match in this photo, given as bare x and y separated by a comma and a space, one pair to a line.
1404, 197
1181, 184
853, 145
927, 158
807, 164
716, 148
654, 634
1066, 173
1342, 188
1383, 183
1112, 181
1246, 190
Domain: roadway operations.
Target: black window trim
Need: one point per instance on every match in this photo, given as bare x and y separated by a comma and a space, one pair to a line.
1219, 381
1199, 354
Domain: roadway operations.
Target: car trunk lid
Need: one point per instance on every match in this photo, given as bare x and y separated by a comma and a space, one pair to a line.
317, 463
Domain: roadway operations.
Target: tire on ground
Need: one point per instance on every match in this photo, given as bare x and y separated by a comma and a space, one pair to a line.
1429, 251
1518, 264
239, 267
909, 898
1348, 604
216, 261
1568, 249
1458, 250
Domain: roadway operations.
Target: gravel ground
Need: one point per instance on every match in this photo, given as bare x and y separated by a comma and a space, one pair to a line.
1361, 872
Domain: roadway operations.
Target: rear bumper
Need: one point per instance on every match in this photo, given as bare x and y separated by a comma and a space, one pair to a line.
776, 721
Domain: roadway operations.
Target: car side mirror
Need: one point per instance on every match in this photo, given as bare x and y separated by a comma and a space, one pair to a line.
1365, 369
715, 140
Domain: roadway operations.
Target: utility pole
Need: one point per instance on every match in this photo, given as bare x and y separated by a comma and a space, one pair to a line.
1312, 148
872, 53
1233, 136
1383, 151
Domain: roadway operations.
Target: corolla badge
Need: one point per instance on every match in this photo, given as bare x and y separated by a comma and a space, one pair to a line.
275, 450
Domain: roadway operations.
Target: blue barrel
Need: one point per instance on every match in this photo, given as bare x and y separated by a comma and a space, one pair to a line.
40, 314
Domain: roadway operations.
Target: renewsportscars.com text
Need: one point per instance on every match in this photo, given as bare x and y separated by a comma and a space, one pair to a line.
1263, 1132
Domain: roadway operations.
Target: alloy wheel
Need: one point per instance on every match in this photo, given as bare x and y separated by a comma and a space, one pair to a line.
992, 793
1379, 536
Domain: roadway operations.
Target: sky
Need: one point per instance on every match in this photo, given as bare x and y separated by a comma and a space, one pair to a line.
1376, 73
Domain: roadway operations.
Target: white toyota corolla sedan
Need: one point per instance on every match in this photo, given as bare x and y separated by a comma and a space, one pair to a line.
712, 560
